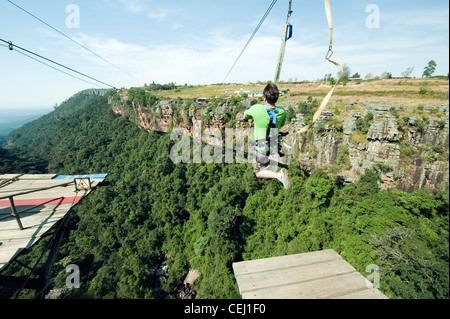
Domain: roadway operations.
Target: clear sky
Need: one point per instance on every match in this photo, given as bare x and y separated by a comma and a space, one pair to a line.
197, 41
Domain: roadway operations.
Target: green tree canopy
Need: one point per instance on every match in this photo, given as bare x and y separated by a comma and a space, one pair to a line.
429, 69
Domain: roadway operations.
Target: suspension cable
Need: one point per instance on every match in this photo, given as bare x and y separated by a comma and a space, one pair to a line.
76, 42
251, 37
14, 47
50, 66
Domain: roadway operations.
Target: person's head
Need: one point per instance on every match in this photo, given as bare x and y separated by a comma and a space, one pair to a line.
271, 93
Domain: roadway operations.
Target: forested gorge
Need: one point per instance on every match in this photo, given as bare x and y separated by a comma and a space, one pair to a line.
139, 236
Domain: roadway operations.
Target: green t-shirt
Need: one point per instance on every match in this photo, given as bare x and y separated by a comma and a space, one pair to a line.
261, 120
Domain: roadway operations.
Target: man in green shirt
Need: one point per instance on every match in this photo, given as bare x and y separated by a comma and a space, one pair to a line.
263, 116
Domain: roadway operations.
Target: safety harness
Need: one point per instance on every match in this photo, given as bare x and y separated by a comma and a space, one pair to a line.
266, 142
272, 115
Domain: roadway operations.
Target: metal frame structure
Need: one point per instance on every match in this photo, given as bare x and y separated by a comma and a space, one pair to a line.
39, 274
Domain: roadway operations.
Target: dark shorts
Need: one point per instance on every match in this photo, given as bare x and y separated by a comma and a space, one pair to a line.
262, 163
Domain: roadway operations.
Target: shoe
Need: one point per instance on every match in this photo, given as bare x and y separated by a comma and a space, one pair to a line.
284, 178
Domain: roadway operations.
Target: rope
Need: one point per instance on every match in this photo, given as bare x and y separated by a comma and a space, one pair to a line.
327, 57
251, 37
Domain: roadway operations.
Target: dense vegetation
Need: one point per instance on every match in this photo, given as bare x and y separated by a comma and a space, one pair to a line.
206, 216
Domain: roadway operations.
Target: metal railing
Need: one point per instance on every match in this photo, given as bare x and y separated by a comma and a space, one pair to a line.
16, 214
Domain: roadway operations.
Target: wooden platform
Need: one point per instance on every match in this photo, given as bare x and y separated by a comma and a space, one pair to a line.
37, 221
315, 275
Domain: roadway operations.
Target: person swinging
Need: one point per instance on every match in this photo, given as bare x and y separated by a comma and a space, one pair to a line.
268, 119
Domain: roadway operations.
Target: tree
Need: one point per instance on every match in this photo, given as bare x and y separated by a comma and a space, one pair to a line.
224, 220
290, 114
327, 77
407, 72
346, 74
319, 187
386, 75
429, 69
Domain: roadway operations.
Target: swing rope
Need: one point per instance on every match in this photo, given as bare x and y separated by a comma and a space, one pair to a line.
327, 57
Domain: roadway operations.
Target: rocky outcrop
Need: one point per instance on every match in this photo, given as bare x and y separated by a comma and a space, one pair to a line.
410, 150
409, 155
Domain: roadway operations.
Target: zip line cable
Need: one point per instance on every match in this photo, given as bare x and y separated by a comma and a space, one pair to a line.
66, 36
14, 47
251, 37
42, 62
76, 77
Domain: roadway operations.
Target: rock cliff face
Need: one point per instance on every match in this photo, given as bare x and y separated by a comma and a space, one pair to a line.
410, 148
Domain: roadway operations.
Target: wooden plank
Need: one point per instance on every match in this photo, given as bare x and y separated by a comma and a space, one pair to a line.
8, 176
265, 264
37, 176
36, 190
44, 209
67, 191
35, 185
39, 220
283, 276
316, 289
314, 275
370, 293
27, 233
36, 219
10, 249
25, 205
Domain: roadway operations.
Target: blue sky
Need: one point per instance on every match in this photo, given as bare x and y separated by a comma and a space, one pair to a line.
197, 41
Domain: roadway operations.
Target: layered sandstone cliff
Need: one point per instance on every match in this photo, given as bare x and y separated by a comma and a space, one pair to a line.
408, 146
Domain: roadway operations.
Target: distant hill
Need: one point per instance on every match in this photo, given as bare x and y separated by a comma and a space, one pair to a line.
33, 133
12, 119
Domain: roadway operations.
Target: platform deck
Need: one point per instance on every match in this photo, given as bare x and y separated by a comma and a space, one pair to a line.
37, 221
315, 275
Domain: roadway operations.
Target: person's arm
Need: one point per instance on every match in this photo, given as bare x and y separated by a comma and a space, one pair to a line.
247, 115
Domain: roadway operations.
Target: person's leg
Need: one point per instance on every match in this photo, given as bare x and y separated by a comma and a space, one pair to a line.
267, 174
263, 170
282, 176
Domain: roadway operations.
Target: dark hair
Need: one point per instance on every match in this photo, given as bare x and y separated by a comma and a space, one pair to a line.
271, 93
